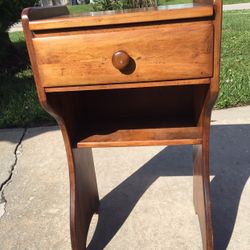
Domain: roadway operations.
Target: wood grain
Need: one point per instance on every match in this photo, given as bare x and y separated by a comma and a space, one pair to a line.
202, 196
173, 12
202, 193
78, 221
166, 98
159, 53
143, 137
202, 81
87, 199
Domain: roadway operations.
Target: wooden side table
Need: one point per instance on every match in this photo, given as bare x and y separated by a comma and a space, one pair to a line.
127, 78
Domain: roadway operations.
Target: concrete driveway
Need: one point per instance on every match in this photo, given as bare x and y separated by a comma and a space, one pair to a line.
145, 192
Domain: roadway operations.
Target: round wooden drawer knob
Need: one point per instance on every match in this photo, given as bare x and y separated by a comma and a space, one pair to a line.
120, 60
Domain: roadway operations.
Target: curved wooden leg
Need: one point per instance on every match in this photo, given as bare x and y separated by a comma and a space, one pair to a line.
84, 197
202, 202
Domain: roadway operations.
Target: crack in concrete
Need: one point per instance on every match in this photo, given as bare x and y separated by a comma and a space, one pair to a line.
4, 184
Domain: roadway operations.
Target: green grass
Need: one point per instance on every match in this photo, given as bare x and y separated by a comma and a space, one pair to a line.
235, 60
165, 2
235, 1
19, 105
190, 1
75, 9
89, 7
162, 2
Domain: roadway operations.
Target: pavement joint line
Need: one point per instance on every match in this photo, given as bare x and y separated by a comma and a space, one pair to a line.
5, 183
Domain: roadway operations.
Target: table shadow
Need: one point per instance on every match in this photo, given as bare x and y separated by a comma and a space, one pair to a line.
229, 163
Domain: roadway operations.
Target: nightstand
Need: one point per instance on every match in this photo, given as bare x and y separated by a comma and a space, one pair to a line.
127, 78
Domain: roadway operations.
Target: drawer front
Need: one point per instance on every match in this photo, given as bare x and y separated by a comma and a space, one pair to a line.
162, 52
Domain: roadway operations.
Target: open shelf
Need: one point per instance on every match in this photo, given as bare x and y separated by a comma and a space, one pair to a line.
132, 117
142, 137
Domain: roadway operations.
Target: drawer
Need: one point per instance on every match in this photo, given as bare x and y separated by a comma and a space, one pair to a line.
157, 52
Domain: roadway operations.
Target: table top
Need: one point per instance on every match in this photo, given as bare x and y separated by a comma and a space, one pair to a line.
160, 13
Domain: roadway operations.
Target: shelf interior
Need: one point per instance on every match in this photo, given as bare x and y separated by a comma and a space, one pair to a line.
132, 117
